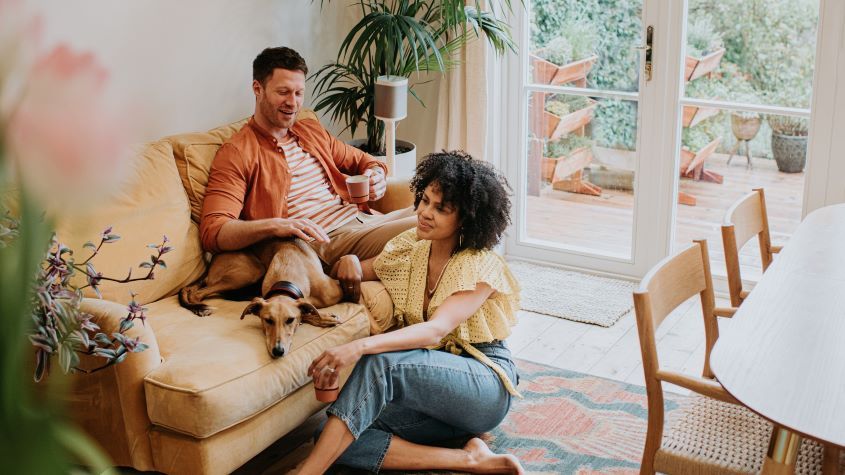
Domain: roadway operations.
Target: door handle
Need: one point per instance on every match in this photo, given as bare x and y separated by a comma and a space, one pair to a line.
649, 47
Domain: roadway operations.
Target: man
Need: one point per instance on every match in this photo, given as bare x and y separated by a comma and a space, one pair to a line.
281, 178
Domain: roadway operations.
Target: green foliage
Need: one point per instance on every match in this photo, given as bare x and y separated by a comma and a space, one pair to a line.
787, 125
558, 51
772, 41
696, 138
702, 38
615, 124
562, 104
566, 145
608, 26
399, 38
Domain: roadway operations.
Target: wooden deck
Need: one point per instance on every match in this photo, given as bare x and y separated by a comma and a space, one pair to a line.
604, 223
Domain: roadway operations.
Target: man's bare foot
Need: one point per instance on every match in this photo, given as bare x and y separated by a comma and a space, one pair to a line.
485, 461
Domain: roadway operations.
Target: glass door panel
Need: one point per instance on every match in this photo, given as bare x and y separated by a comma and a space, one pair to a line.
580, 180
745, 108
581, 98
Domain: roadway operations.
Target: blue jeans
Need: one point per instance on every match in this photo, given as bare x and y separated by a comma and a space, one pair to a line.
427, 397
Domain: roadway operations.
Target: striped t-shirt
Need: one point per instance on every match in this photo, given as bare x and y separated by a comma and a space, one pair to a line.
311, 195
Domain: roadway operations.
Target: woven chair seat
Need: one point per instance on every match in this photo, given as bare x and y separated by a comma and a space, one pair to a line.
722, 438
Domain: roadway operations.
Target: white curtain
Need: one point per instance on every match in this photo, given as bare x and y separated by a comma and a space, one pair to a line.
462, 102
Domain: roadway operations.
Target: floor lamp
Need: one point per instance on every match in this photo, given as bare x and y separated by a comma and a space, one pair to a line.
391, 105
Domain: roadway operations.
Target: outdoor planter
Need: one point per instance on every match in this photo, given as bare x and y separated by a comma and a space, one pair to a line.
694, 115
790, 152
556, 127
546, 72
566, 173
560, 168
697, 67
692, 163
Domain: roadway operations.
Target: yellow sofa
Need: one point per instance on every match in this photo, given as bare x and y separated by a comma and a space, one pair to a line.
205, 397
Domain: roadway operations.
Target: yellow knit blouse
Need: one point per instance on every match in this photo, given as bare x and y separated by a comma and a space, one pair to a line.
403, 267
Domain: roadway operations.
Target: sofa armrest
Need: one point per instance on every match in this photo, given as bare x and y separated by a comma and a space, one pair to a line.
397, 196
109, 404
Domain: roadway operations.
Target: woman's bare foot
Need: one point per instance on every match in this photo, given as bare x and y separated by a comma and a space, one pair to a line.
485, 461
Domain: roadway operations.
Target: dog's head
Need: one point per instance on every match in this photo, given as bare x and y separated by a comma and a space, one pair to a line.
280, 316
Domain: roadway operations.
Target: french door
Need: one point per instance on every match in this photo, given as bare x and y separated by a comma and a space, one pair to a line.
601, 142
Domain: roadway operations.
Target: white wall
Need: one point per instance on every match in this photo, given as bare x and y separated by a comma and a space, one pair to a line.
188, 63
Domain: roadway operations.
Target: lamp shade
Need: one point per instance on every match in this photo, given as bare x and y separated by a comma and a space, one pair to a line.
391, 98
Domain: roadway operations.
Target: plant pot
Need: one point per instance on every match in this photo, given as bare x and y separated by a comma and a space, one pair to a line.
694, 67
745, 128
405, 164
790, 152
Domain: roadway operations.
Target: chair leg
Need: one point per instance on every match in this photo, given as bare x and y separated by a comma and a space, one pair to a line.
830, 460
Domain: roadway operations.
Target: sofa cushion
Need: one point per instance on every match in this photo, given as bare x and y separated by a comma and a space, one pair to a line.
195, 152
216, 371
151, 203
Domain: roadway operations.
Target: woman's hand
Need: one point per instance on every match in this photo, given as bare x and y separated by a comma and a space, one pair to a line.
332, 360
349, 272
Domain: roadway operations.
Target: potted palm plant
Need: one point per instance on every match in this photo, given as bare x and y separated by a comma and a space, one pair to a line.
398, 38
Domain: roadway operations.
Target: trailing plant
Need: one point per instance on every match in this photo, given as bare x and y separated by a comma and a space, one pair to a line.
399, 38
62, 329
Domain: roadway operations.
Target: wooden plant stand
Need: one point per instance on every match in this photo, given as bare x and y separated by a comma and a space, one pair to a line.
568, 173
556, 127
694, 67
695, 115
692, 166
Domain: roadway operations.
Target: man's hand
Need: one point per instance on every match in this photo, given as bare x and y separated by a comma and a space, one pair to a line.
302, 228
350, 273
378, 184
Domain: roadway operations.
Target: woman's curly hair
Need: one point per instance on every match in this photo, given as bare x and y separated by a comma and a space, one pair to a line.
478, 192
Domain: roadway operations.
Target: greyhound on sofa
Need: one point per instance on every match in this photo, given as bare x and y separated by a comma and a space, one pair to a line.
294, 287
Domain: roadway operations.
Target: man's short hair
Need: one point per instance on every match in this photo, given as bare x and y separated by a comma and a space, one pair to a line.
276, 58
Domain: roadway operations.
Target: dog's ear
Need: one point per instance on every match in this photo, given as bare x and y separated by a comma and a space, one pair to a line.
311, 316
254, 307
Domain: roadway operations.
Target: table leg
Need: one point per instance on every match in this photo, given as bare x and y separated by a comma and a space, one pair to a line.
783, 452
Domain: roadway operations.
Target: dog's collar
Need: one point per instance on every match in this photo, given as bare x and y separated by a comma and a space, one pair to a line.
284, 287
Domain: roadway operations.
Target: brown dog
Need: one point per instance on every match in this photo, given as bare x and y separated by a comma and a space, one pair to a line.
294, 287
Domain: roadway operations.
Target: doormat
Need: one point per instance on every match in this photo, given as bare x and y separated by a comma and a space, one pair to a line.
572, 295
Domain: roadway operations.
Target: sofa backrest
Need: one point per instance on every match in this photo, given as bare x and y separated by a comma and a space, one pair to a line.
162, 195
195, 152
151, 203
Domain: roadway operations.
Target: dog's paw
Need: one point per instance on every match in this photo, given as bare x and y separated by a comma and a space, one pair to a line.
203, 312
335, 318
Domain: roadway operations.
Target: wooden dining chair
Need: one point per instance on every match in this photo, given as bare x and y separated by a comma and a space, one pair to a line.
711, 433
745, 219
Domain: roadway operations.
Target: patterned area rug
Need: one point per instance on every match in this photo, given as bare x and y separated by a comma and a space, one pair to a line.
572, 295
567, 423
573, 423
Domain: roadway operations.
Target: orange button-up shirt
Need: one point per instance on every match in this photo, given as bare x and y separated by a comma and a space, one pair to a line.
250, 178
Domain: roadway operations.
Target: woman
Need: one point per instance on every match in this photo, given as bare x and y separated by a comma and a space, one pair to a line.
452, 293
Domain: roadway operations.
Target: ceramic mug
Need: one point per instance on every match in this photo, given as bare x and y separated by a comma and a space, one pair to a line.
358, 187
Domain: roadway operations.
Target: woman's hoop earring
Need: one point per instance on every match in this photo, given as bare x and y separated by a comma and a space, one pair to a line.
461, 240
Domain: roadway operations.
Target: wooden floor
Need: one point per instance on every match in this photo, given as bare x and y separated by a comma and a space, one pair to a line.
604, 223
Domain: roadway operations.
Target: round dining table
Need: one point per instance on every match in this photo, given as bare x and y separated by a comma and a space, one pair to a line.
782, 354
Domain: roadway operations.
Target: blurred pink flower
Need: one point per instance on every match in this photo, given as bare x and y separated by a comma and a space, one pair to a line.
20, 39
65, 139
